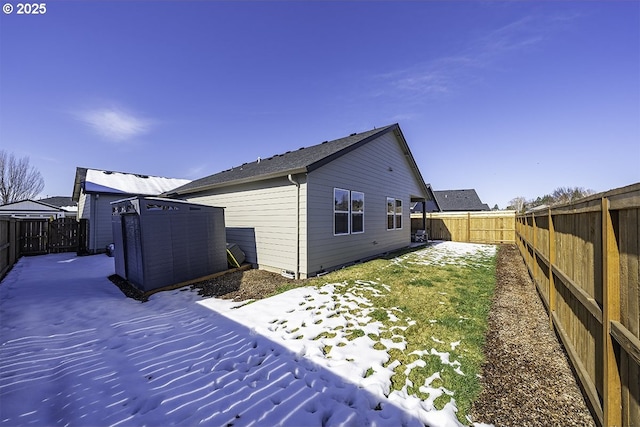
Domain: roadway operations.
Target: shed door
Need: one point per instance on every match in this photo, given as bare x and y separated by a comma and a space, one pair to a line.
133, 249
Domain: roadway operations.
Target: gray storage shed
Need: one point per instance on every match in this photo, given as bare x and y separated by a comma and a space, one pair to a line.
161, 242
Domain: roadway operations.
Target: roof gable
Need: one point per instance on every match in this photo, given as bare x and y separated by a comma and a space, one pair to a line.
30, 205
108, 182
460, 200
303, 160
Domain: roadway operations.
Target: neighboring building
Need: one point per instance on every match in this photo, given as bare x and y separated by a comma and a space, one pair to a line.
315, 209
95, 189
63, 202
429, 206
460, 201
34, 209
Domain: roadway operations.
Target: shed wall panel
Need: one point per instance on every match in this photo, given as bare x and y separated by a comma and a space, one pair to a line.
170, 242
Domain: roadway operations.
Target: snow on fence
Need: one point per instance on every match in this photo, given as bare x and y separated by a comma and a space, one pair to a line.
474, 227
584, 259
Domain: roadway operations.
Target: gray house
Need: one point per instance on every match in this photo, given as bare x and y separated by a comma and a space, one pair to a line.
315, 209
95, 189
34, 209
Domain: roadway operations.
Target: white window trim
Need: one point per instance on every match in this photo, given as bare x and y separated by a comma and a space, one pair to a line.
394, 213
348, 212
352, 213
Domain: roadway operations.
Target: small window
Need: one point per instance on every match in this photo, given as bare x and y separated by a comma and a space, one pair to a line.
340, 211
357, 212
394, 213
398, 213
391, 203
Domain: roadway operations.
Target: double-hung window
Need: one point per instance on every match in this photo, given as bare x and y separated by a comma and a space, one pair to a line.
340, 211
394, 213
357, 212
348, 212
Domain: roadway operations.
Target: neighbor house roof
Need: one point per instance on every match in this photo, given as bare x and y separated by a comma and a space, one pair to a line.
29, 205
109, 182
431, 206
63, 202
460, 200
303, 160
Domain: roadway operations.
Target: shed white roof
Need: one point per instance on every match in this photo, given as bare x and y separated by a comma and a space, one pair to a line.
99, 181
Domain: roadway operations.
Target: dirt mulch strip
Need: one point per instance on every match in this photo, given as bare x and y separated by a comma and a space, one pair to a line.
245, 285
526, 378
238, 285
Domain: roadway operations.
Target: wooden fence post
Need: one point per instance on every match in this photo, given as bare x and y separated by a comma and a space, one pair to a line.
612, 405
14, 249
468, 227
552, 262
534, 257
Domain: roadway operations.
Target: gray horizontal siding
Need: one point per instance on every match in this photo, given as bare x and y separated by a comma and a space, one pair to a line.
84, 204
365, 170
100, 230
261, 218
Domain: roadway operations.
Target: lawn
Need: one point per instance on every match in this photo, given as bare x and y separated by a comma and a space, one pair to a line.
444, 294
410, 326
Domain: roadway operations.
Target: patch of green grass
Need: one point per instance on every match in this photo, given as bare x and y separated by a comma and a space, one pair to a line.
379, 315
287, 286
423, 282
457, 296
379, 346
354, 333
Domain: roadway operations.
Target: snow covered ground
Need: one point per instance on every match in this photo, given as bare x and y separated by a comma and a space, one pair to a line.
75, 351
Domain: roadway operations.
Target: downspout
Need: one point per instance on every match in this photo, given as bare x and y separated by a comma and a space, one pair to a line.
297, 184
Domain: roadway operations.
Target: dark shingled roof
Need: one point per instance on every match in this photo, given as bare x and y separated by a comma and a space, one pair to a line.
460, 200
291, 162
59, 201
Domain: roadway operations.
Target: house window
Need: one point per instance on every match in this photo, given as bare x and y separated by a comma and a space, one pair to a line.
340, 211
394, 213
357, 212
348, 212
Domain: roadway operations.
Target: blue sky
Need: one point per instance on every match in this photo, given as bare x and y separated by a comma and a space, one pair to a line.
512, 98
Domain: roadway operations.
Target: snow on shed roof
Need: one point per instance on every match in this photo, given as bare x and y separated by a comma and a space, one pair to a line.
100, 181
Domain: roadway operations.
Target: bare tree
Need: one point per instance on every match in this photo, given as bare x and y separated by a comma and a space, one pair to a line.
518, 204
570, 194
18, 180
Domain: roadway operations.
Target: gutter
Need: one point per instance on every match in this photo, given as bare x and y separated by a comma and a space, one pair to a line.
297, 184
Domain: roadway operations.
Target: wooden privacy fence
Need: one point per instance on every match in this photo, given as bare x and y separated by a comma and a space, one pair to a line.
584, 259
21, 236
476, 227
8, 244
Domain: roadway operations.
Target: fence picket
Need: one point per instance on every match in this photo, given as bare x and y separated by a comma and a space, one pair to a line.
23, 236
592, 293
